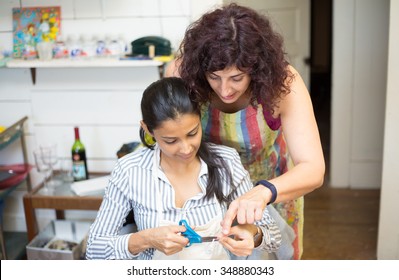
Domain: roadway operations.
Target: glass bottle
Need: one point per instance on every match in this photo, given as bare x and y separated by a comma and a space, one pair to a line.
79, 162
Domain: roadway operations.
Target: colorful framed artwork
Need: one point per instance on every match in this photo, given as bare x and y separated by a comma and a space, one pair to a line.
33, 25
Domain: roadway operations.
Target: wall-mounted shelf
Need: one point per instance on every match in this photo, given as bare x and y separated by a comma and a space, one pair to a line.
82, 63
70, 63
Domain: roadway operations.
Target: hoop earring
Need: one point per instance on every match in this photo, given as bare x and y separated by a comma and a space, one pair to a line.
149, 139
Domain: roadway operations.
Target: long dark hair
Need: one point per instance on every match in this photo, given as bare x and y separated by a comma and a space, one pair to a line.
238, 36
167, 99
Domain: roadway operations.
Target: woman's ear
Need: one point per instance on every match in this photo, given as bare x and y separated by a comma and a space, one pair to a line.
144, 126
149, 138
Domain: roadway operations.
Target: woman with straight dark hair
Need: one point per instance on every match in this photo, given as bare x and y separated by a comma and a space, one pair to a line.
176, 177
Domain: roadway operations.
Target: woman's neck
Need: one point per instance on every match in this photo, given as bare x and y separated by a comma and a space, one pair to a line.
183, 178
178, 167
243, 102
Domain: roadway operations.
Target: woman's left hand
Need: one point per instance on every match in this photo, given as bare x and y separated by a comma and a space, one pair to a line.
243, 242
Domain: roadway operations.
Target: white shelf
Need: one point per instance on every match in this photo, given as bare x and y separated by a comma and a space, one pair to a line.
82, 63
79, 63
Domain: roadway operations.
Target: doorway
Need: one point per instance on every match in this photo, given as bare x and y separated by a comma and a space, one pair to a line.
320, 69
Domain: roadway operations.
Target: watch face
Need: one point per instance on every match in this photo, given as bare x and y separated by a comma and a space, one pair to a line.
257, 237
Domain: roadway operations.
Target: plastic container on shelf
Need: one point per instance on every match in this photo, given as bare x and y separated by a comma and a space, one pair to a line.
88, 46
124, 46
60, 49
113, 49
74, 47
101, 48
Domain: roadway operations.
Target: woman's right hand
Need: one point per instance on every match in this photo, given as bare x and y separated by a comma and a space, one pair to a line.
166, 239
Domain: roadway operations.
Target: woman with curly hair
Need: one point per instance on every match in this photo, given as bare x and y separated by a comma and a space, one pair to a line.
253, 100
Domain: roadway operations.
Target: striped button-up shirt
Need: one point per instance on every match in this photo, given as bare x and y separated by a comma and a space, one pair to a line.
134, 184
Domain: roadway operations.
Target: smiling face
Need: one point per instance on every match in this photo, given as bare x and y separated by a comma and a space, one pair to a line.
230, 84
179, 139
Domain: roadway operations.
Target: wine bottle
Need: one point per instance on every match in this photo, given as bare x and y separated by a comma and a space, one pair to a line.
79, 168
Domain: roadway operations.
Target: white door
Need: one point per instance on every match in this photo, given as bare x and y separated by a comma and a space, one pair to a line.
291, 18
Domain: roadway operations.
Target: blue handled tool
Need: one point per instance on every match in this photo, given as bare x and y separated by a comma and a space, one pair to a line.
194, 237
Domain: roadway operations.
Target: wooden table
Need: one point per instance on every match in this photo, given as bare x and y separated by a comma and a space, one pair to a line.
62, 199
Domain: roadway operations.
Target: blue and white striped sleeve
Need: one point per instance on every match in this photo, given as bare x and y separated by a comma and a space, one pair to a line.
104, 242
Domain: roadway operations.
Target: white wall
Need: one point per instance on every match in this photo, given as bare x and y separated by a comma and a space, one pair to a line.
131, 18
388, 230
360, 41
103, 102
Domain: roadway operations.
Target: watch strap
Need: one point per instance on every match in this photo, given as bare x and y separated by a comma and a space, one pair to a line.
271, 187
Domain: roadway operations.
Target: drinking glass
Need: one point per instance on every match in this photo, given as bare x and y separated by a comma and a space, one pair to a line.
43, 168
50, 158
66, 170
45, 50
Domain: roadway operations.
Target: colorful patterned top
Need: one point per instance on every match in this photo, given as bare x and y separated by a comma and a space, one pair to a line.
261, 145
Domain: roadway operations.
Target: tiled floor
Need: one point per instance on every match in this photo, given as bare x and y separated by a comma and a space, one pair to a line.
15, 245
341, 224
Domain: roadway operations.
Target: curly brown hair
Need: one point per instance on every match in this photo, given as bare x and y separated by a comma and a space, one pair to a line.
238, 36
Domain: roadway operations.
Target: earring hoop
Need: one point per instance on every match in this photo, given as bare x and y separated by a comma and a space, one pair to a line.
149, 139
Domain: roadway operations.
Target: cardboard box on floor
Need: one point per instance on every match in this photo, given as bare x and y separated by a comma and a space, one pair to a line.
60, 240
